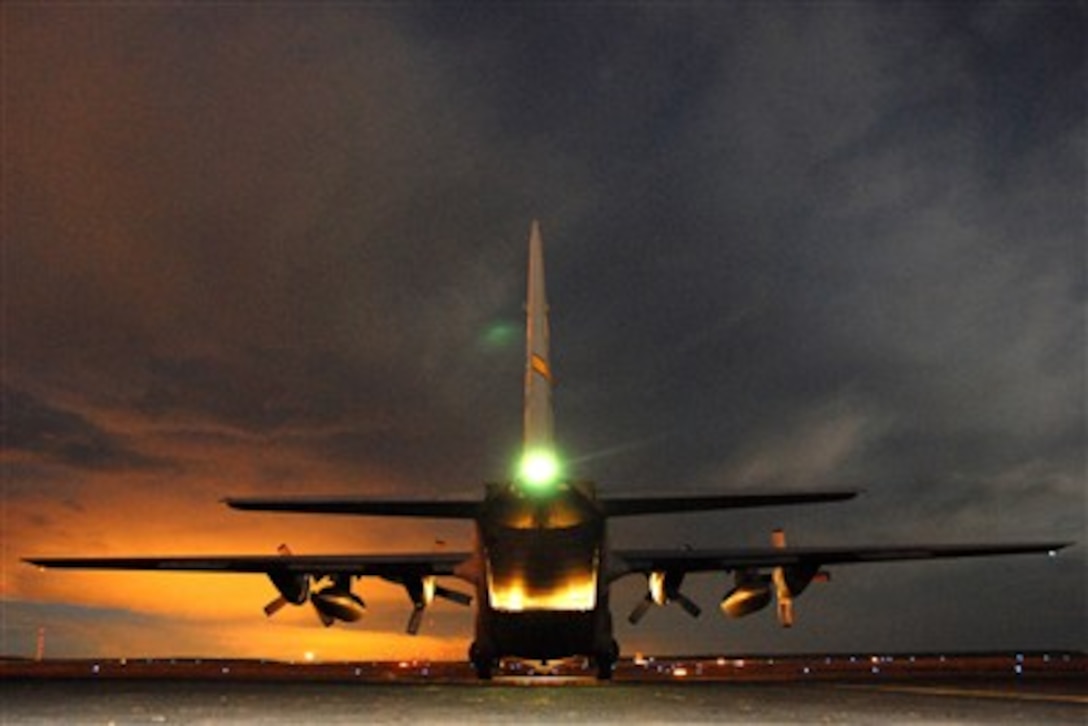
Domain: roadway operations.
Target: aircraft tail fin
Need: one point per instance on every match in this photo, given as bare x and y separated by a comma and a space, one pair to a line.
539, 464
539, 425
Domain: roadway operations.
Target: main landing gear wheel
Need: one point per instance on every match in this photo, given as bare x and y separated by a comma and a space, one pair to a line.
482, 662
604, 669
606, 662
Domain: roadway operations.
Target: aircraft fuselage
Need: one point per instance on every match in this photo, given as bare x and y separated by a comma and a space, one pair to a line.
542, 590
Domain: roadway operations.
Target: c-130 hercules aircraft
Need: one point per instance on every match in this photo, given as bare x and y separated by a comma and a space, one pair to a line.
540, 563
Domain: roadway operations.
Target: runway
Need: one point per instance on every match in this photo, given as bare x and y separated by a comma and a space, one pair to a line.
529, 700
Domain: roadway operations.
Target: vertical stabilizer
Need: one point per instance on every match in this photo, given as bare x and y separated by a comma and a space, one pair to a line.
539, 466
538, 372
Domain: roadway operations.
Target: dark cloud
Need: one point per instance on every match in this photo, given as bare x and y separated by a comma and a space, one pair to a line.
789, 245
56, 435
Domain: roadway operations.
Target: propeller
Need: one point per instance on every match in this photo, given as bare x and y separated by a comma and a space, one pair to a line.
275, 606
782, 595
641, 608
331, 603
293, 589
689, 607
791, 580
663, 588
422, 590
326, 619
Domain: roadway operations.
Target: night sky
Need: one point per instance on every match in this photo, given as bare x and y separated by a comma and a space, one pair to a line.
279, 249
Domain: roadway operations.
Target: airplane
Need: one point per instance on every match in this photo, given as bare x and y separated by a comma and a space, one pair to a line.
540, 565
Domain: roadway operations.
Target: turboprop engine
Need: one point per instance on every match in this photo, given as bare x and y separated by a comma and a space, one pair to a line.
338, 602
752, 591
751, 594
332, 603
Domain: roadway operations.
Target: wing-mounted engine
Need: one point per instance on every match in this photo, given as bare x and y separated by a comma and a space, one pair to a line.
331, 597
752, 590
663, 587
338, 602
751, 593
333, 602
790, 581
294, 589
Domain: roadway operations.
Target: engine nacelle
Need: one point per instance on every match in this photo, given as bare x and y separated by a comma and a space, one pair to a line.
339, 604
745, 599
293, 588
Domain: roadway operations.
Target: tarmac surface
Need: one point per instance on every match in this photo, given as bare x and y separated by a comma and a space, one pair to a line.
974, 700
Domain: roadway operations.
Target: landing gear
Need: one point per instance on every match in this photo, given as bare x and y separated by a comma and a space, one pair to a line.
604, 669
483, 662
483, 669
606, 661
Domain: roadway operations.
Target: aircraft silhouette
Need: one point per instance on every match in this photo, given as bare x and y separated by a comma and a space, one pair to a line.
540, 565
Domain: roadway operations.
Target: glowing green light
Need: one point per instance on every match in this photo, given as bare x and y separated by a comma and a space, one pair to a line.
539, 469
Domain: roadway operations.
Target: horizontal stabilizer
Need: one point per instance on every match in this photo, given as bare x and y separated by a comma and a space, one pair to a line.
621, 507
435, 508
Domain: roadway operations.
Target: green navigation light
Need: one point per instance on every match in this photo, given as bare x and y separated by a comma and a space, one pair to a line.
539, 469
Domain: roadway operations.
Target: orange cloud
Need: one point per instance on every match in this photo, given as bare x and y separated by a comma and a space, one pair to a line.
174, 509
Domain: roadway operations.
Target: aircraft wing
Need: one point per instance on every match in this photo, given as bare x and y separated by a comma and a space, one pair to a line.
436, 508
645, 561
628, 506
297, 577
391, 566
470, 508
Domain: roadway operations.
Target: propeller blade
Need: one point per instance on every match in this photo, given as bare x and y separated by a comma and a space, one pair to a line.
416, 619
785, 612
454, 596
689, 607
640, 610
275, 606
325, 619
